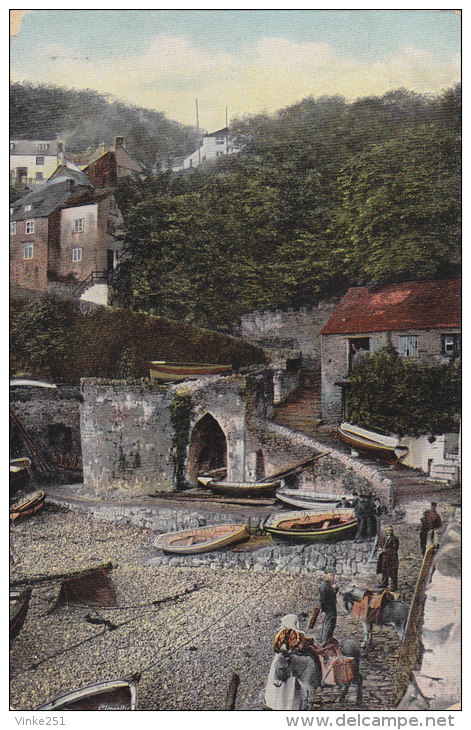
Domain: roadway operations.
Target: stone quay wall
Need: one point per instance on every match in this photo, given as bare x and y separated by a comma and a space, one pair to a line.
346, 558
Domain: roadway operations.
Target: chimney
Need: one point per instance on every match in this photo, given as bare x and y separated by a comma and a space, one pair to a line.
102, 148
119, 142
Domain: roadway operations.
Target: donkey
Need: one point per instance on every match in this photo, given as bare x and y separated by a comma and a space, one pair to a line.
306, 670
393, 613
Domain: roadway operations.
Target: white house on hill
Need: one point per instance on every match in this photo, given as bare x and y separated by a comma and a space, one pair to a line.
212, 146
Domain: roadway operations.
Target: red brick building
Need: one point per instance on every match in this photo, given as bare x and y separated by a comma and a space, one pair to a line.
63, 232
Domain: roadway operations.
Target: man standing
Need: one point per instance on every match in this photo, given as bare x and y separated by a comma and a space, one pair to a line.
388, 559
360, 514
328, 600
430, 521
370, 517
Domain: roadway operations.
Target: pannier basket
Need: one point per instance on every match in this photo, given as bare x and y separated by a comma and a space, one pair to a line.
344, 670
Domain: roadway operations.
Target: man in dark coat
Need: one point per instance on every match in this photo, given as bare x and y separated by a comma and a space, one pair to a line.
370, 516
430, 521
360, 514
388, 559
328, 601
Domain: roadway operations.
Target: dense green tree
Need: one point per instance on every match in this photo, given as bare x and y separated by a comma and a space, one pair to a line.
405, 396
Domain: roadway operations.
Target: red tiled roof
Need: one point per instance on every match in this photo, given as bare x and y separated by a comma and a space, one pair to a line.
88, 198
408, 306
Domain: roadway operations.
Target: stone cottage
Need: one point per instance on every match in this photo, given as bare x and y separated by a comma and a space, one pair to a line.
422, 319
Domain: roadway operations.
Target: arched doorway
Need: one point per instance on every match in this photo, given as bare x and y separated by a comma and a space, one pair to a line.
208, 447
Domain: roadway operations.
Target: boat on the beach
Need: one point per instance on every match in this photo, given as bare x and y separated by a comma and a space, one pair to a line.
201, 540
114, 694
212, 474
244, 489
26, 507
164, 370
19, 603
307, 499
378, 445
338, 524
20, 473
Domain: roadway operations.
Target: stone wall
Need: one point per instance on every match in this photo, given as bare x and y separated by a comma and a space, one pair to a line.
137, 437
347, 558
296, 329
52, 418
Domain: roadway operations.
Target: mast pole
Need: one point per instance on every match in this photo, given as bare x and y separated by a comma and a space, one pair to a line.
198, 131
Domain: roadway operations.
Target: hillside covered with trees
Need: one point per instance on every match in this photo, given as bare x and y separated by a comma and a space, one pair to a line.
326, 194
86, 118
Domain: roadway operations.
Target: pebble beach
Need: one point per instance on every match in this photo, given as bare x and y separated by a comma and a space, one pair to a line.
185, 629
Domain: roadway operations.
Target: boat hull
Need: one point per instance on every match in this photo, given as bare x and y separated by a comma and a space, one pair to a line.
26, 507
113, 695
244, 489
162, 370
19, 603
305, 500
20, 473
369, 442
313, 526
203, 540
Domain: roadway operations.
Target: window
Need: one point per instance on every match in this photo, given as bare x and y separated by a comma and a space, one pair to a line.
76, 254
43, 146
408, 345
79, 225
29, 227
219, 139
39, 176
13, 228
28, 208
110, 227
358, 351
40, 160
27, 251
451, 345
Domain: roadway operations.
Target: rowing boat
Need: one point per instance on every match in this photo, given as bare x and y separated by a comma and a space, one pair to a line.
163, 370
114, 694
244, 489
313, 526
20, 473
212, 474
307, 499
19, 603
26, 507
386, 447
201, 540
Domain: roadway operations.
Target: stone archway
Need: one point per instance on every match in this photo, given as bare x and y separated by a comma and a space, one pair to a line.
208, 447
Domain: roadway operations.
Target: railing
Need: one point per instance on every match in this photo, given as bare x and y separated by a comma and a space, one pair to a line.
94, 277
23, 183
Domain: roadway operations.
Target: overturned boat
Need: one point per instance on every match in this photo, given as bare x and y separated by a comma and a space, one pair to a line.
313, 526
384, 446
26, 507
114, 694
307, 499
201, 540
19, 604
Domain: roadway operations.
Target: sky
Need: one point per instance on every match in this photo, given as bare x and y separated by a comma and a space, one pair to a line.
246, 60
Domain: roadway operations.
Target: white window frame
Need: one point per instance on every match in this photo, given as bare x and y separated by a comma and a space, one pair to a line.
28, 207
76, 255
12, 228
40, 159
408, 345
28, 251
29, 226
43, 146
79, 225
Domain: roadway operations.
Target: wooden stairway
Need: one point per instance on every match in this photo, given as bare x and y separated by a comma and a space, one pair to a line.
301, 410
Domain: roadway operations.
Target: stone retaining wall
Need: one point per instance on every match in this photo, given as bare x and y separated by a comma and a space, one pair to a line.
347, 558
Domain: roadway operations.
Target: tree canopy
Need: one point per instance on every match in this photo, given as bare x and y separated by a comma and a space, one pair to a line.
326, 194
